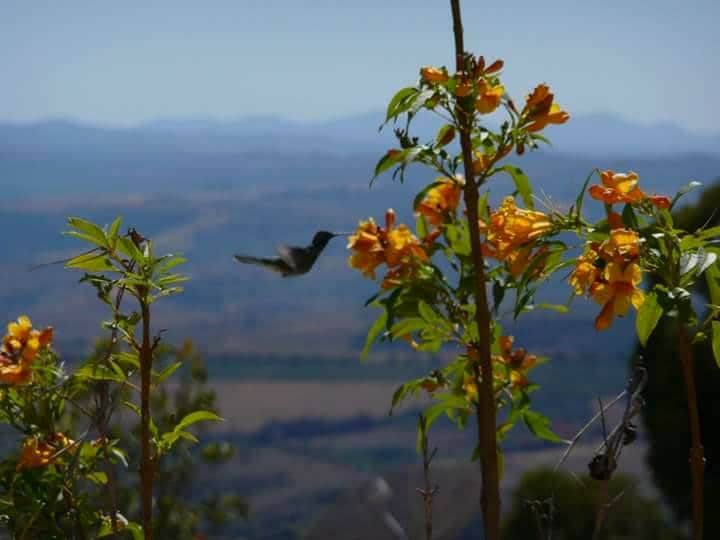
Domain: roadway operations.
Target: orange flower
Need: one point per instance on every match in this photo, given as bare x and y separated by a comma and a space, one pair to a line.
440, 200
464, 88
623, 244
540, 110
36, 453
585, 273
434, 75
19, 348
617, 292
395, 246
489, 97
511, 227
368, 248
617, 188
661, 201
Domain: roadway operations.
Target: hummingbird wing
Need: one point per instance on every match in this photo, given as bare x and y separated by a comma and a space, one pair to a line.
291, 255
276, 264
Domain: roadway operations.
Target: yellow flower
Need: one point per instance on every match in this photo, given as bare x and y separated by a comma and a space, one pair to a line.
470, 388
617, 292
367, 247
585, 273
440, 200
540, 110
434, 75
622, 244
19, 348
489, 97
395, 246
617, 188
511, 227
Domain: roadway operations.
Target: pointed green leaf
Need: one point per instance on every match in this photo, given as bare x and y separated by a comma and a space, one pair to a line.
377, 327
716, 341
94, 233
522, 184
197, 416
539, 425
647, 317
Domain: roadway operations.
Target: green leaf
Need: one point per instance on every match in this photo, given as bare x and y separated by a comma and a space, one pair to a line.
629, 218
539, 425
647, 317
377, 327
94, 233
716, 341
134, 408
522, 184
421, 226
128, 247
684, 190
92, 262
407, 326
445, 135
581, 196
712, 276
98, 372
426, 312
197, 416
400, 102
165, 373
98, 477
113, 232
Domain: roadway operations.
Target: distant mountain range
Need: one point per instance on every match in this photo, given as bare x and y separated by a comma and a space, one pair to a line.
590, 134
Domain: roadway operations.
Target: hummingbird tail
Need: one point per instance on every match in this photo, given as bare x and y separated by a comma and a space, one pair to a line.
249, 260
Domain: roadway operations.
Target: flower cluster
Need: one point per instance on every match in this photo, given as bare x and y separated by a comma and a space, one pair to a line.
38, 453
623, 188
19, 349
517, 362
610, 274
440, 200
514, 364
397, 247
482, 84
510, 234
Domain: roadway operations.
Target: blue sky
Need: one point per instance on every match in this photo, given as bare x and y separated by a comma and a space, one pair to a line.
125, 63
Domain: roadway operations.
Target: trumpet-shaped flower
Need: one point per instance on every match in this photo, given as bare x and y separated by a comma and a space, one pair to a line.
489, 97
440, 200
617, 292
617, 188
540, 109
585, 273
19, 348
36, 453
434, 75
623, 244
510, 228
397, 247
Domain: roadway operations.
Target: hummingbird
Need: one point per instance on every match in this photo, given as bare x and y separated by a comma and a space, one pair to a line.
293, 260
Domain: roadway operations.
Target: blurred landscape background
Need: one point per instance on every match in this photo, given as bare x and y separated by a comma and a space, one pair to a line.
317, 453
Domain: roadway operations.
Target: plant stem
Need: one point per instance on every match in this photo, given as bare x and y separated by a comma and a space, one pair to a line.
429, 491
146, 463
697, 453
486, 407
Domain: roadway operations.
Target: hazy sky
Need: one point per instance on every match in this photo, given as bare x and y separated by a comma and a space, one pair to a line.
128, 62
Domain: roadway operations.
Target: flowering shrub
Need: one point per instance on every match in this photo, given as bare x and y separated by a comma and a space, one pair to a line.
60, 484
435, 291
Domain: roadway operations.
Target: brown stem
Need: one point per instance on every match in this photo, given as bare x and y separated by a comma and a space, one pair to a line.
428, 492
146, 462
486, 408
697, 453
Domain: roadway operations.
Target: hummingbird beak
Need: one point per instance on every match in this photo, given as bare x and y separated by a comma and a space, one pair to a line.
343, 234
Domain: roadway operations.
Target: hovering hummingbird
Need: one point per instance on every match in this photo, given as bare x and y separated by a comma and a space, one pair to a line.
293, 260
